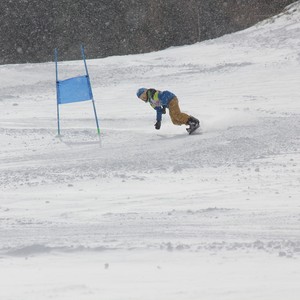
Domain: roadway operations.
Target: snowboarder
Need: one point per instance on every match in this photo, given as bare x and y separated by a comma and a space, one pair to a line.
165, 99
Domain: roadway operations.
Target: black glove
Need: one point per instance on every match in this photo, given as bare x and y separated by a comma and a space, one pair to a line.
157, 125
163, 110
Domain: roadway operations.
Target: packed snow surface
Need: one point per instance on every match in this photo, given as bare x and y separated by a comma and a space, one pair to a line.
145, 214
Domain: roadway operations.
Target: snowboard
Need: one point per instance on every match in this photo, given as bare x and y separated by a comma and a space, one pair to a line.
191, 130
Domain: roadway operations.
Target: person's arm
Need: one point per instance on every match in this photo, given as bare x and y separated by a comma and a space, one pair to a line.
159, 112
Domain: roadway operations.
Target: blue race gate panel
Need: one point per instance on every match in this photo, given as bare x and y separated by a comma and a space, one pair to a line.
74, 90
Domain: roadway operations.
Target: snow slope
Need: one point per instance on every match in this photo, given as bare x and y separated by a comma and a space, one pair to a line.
146, 214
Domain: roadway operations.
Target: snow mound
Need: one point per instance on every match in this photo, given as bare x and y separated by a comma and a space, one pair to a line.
291, 14
278, 31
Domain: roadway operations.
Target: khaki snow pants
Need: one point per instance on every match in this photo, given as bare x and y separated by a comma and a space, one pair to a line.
177, 117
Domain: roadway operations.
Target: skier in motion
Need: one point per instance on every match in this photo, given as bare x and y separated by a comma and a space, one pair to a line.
165, 99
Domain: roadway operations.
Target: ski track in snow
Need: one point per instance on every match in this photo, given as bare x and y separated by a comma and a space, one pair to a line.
234, 146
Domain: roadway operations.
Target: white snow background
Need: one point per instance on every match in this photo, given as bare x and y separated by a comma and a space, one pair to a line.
152, 214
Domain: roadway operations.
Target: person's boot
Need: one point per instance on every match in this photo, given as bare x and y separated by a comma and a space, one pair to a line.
193, 123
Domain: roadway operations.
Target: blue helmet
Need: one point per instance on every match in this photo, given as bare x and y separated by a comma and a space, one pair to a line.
140, 91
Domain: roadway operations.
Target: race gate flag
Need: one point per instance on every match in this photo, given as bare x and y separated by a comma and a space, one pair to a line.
75, 89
